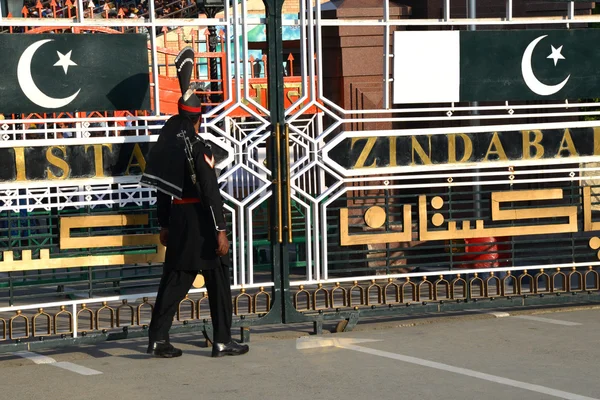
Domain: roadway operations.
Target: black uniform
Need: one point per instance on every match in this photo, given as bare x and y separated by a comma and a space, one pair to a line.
191, 248
181, 167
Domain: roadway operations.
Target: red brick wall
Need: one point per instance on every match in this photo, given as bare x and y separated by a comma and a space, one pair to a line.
293, 6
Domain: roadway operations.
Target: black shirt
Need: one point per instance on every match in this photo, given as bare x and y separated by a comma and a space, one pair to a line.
206, 177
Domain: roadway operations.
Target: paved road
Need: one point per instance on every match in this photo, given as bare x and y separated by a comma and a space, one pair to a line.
542, 356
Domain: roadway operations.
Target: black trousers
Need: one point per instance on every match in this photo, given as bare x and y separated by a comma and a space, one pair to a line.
174, 285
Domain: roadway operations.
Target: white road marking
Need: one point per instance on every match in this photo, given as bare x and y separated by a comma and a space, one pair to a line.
547, 320
311, 343
44, 360
471, 373
76, 368
303, 343
499, 314
36, 358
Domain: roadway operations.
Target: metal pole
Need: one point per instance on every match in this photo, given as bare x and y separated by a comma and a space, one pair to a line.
212, 48
279, 251
80, 11
155, 72
386, 52
275, 57
472, 14
446, 10
571, 10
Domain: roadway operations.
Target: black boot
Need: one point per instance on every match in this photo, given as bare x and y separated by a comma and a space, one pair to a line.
229, 349
162, 348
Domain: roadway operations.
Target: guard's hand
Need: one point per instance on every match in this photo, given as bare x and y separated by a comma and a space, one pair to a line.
164, 236
222, 244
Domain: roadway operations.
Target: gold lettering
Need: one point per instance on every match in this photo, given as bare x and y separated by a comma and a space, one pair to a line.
364, 154
259, 87
98, 159
535, 143
392, 145
20, 163
293, 93
416, 147
57, 162
497, 149
567, 144
468, 144
139, 156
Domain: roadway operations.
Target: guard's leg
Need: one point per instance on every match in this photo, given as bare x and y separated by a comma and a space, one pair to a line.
218, 287
218, 283
173, 287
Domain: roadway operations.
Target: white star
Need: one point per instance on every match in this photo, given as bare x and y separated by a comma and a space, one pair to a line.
64, 60
556, 54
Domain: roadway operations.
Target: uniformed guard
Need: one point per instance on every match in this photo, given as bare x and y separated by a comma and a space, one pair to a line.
190, 213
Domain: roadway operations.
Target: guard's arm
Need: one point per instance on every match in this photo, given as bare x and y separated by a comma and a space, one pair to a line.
207, 179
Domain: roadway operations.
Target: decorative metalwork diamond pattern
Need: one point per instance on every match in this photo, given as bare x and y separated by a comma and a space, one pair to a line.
315, 180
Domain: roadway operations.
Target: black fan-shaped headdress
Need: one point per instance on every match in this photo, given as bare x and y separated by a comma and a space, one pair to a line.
188, 104
165, 167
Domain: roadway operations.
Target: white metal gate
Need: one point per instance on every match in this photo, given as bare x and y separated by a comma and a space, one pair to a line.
354, 230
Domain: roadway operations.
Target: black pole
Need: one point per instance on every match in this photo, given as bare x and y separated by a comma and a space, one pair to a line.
472, 9
278, 156
274, 9
215, 97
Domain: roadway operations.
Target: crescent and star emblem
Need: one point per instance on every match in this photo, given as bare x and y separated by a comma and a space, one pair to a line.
531, 80
29, 87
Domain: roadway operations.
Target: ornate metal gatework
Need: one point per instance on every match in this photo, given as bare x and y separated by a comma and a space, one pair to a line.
431, 206
342, 200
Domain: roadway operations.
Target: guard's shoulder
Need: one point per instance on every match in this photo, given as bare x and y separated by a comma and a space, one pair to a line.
203, 152
201, 144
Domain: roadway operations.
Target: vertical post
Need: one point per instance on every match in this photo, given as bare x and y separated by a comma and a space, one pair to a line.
155, 73
386, 55
80, 11
472, 10
211, 9
215, 98
274, 9
446, 10
571, 10
75, 326
477, 188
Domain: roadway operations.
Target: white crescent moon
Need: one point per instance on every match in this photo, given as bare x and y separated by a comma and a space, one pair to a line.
531, 80
29, 87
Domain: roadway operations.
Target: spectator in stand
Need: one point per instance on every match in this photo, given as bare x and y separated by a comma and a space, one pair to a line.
64, 133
